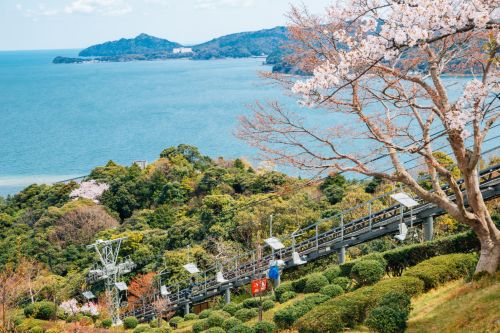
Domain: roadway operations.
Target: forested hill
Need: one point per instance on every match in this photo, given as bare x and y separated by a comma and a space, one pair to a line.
244, 44
219, 207
142, 44
146, 47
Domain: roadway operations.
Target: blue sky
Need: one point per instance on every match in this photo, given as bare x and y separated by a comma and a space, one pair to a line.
60, 24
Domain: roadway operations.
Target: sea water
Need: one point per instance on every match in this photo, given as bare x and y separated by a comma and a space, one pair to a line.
60, 121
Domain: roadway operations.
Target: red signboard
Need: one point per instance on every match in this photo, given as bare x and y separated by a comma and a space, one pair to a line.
259, 286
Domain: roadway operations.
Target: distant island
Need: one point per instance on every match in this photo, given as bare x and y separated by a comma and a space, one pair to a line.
268, 43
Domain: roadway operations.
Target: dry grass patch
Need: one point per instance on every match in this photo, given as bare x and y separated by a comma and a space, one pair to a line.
458, 307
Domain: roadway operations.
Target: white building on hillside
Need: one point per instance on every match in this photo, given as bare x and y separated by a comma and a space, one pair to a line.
178, 50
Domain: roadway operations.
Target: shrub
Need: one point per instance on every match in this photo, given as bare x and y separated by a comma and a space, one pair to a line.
246, 314
401, 258
242, 328
283, 288
332, 290
386, 319
141, 328
264, 327
299, 285
154, 323
231, 308
190, 316
331, 273
41, 310
130, 322
267, 305
251, 303
230, 323
397, 300
200, 326
367, 272
285, 318
315, 282
36, 329
349, 310
343, 282
163, 329
287, 296
215, 319
106, 323
176, 320
438, 270
205, 313
215, 330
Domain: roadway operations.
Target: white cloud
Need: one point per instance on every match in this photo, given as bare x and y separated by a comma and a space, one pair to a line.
102, 7
37, 12
214, 4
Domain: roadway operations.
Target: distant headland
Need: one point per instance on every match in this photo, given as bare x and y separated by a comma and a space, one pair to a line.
263, 43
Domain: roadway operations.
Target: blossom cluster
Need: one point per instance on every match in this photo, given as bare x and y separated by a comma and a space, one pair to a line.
89, 190
381, 29
70, 307
468, 106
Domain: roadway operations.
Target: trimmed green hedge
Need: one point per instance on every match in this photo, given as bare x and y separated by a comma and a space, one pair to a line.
401, 258
332, 290
264, 327
241, 329
343, 282
332, 272
205, 313
438, 270
141, 328
231, 308
130, 322
286, 296
283, 288
176, 320
267, 305
230, 323
190, 316
285, 318
367, 272
215, 330
299, 285
216, 319
107, 323
351, 309
397, 259
200, 326
315, 282
250, 303
346, 268
246, 314
391, 314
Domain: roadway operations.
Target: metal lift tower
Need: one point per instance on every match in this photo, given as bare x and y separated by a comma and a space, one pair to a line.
109, 270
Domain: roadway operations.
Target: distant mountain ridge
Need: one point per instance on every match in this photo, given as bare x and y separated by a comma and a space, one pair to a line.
142, 44
243, 44
146, 47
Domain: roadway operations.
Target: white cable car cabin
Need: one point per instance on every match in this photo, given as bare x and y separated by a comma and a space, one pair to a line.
219, 277
297, 260
403, 231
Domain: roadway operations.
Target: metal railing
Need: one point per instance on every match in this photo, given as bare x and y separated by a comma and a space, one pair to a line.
310, 242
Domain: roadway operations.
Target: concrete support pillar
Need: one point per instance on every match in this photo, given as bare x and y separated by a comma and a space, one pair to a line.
342, 255
227, 296
428, 228
186, 308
